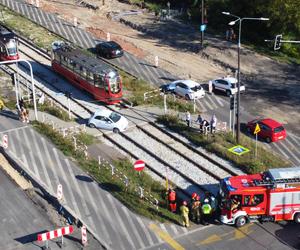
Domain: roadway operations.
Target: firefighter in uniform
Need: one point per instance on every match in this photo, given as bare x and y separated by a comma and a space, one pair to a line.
196, 213
1, 104
184, 210
172, 200
206, 211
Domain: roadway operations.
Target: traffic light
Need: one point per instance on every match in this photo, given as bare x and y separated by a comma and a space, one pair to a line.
232, 102
277, 43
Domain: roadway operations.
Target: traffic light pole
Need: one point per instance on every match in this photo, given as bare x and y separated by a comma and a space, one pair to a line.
278, 41
202, 22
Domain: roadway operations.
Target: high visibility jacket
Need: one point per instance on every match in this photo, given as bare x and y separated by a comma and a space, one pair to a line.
184, 210
1, 104
172, 196
206, 208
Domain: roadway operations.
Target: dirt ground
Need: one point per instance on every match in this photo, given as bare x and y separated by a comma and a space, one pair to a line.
263, 75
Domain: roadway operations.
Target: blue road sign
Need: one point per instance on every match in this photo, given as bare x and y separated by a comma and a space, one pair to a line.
238, 150
202, 27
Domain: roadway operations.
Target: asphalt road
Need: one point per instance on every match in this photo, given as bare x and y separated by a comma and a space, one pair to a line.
21, 220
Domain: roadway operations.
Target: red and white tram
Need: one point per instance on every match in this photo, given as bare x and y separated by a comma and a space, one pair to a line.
8, 45
87, 72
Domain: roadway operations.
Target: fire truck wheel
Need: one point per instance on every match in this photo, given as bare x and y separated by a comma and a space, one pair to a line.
241, 221
297, 218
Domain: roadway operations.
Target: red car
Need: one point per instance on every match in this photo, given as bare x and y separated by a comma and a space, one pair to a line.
270, 130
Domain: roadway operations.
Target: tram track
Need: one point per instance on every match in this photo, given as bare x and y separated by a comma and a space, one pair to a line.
191, 183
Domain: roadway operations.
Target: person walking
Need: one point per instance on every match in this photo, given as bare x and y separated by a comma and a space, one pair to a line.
188, 118
184, 210
213, 123
196, 213
206, 211
172, 200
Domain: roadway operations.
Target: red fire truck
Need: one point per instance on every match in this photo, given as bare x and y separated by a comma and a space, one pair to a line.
270, 196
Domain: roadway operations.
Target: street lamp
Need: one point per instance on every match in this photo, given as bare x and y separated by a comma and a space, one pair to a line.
31, 74
239, 19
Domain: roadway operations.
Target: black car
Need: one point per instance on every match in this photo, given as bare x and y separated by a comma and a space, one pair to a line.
109, 49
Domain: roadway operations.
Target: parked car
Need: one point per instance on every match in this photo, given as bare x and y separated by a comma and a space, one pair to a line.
109, 49
185, 88
227, 85
270, 130
107, 119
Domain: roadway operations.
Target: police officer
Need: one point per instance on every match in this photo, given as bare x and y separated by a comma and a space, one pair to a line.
206, 211
184, 210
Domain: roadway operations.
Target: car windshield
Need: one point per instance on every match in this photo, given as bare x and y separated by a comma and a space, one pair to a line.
196, 88
12, 47
115, 117
113, 45
278, 129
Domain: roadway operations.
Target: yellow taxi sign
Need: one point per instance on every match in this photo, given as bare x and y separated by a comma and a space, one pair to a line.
257, 129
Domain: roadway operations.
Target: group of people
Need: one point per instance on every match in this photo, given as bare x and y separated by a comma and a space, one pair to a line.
197, 211
205, 126
230, 35
22, 111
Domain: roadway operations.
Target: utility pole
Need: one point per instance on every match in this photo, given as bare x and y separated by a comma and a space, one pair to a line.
202, 22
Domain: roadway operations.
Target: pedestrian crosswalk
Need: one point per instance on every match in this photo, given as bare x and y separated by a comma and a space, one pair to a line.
103, 214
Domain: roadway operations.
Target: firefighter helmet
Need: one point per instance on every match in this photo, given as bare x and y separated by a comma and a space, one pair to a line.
194, 195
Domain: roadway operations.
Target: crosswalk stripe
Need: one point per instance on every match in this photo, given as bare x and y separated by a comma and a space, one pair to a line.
210, 100
78, 189
145, 230
294, 138
166, 237
38, 152
66, 184
119, 220
33, 161
12, 140
174, 228
290, 151
136, 233
219, 100
200, 102
280, 150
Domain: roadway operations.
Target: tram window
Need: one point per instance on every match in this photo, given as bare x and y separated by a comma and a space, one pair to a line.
77, 69
98, 81
64, 60
83, 72
89, 77
57, 57
72, 64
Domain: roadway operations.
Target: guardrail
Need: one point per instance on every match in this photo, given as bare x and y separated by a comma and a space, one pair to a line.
152, 93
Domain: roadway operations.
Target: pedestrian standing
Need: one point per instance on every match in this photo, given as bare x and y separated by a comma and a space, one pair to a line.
196, 213
206, 211
227, 34
188, 118
199, 119
172, 200
184, 210
213, 123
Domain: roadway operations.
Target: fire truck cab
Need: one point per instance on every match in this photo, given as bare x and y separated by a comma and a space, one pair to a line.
270, 196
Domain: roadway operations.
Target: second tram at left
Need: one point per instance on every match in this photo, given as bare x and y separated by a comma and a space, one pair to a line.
8, 45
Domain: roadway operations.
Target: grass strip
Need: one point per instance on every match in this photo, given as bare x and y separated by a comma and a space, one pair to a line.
102, 174
219, 143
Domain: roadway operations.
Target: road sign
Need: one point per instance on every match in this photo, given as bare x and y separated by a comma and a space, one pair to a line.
257, 129
139, 165
238, 150
5, 141
202, 27
59, 192
83, 235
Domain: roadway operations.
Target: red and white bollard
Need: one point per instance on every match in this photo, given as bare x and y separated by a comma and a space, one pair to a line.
75, 22
37, 3
108, 36
156, 61
59, 194
83, 236
5, 141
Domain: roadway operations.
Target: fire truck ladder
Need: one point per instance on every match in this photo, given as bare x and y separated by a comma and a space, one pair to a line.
277, 181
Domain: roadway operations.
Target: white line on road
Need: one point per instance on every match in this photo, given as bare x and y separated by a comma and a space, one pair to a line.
13, 129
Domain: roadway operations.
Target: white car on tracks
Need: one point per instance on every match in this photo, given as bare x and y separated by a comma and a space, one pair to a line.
227, 85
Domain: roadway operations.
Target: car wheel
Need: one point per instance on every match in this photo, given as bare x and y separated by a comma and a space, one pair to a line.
297, 218
116, 130
241, 221
92, 125
187, 97
228, 92
268, 139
